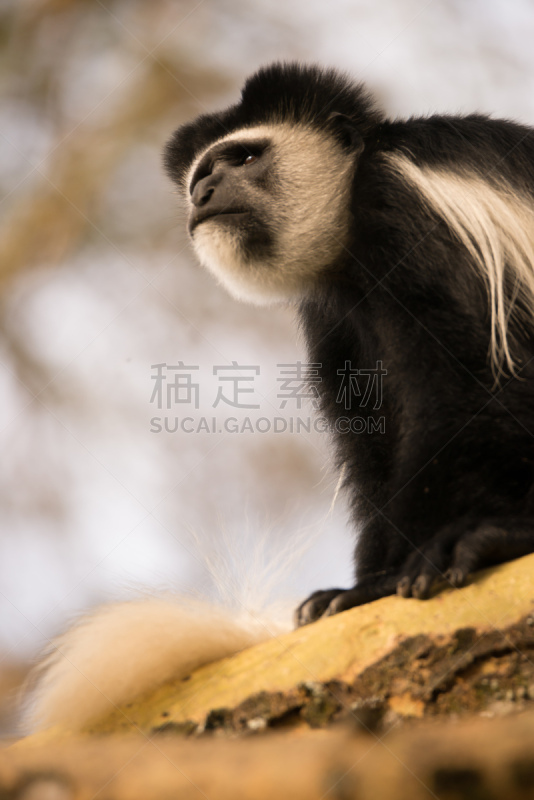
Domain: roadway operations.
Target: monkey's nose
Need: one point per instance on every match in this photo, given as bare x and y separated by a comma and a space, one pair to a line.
202, 194
205, 189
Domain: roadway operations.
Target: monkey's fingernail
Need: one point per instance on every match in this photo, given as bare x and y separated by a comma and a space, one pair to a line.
420, 587
404, 587
456, 577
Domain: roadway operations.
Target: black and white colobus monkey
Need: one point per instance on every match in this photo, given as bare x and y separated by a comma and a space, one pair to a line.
405, 242
409, 243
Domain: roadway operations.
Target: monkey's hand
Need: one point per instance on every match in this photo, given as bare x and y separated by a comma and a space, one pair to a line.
451, 555
332, 601
461, 548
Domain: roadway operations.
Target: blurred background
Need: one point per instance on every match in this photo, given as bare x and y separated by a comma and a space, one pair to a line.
98, 285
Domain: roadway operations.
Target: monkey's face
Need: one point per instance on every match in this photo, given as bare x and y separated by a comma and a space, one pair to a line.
269, 209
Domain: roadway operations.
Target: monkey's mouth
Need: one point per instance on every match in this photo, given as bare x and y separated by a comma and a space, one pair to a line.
226, 215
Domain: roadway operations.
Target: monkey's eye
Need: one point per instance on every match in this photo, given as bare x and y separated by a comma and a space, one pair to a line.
250, 159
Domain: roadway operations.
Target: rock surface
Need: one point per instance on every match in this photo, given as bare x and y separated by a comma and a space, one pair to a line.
397, 699
462, 650
476, 759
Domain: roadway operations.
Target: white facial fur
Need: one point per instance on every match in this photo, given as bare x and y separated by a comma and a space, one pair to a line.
309, 213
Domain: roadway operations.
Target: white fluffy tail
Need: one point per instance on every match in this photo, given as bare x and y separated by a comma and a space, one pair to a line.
123, 650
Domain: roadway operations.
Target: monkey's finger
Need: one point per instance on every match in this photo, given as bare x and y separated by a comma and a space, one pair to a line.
357, 597
489, 543
456, 577
404, 586
409, 572
422, 585
419, 587
477, 548
314, 606
421, 572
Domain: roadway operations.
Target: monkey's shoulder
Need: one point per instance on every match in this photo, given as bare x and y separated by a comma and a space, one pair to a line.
477, 141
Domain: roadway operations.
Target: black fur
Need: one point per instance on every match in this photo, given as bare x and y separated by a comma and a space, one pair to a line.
448, 486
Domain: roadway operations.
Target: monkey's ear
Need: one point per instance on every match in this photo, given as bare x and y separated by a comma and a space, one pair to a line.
345, 131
